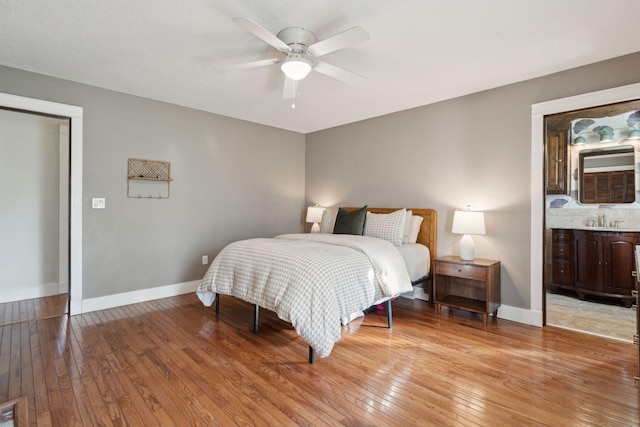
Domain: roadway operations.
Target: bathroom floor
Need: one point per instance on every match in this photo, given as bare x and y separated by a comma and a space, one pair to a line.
608, 320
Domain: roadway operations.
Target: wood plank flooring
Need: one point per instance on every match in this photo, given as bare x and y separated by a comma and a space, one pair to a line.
32, 309
174, 362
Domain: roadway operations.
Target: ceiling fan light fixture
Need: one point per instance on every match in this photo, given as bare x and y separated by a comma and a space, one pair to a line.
296, 67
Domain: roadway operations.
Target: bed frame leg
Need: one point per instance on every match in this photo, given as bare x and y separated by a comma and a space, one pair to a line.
389, 315
311, 354
256, 312
217, 303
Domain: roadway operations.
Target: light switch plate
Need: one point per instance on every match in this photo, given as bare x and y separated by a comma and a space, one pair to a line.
98, 203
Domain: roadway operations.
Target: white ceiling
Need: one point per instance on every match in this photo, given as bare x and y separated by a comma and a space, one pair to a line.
420, 51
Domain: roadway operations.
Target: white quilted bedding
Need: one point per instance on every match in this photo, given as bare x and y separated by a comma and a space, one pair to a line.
309, 280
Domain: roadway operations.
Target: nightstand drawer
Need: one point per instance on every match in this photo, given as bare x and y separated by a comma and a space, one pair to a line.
472, 272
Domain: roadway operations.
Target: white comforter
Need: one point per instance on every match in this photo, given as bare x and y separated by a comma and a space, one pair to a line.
309, 280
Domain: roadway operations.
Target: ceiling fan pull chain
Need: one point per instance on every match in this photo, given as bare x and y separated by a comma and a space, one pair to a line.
294, 92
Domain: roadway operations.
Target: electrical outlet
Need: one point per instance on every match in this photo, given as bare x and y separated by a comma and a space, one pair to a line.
205, 259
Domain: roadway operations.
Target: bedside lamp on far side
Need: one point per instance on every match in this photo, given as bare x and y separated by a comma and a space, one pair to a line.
314, 215
467, 223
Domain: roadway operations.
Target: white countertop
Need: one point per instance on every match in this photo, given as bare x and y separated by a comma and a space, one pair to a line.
611, 229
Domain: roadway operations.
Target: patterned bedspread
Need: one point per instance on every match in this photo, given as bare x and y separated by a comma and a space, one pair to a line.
309, 280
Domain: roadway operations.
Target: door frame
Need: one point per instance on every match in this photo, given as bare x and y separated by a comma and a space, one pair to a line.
538, 111
63, 210
75, 114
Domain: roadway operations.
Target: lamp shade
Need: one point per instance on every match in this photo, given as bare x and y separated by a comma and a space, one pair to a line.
314, 214
296, 67
468, 222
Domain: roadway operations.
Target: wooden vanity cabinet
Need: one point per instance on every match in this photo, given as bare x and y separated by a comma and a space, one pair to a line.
562, 242
601, 263
556, 148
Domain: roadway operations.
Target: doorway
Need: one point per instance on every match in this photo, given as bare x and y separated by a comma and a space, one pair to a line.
585, 294
34, 189
74, 115
539, 111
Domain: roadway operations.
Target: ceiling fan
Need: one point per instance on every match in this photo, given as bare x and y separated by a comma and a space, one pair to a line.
301, 48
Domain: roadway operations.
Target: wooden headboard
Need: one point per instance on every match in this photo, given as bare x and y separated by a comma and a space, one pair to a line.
427, 235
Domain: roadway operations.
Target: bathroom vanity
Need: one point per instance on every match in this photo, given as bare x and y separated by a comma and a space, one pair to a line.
595, 261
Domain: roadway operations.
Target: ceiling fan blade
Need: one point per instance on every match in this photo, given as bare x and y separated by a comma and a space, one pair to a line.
248, 65
290, 90
339, 41
259, 31
339, 73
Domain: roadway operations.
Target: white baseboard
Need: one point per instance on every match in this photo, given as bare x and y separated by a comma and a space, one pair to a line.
133, 297
520, 315
507, 312
40, 291
516, 314
63, 287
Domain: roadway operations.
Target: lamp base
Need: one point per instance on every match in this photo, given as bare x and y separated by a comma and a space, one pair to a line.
315, 228
467, 249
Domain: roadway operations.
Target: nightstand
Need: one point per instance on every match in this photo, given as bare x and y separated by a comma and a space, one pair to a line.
468, 285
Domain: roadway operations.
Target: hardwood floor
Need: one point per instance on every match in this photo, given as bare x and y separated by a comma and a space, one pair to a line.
175, 362
32, 309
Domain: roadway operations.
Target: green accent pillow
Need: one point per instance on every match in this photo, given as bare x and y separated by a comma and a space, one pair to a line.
350, 222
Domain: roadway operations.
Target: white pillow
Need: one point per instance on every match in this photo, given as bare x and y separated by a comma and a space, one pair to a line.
386, 226
407, 228
416, 221
328, 221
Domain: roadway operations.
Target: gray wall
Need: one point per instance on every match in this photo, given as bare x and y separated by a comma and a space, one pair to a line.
29, 146
473, 150
232, 180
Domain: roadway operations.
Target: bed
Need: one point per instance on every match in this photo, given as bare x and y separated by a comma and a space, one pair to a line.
316, 281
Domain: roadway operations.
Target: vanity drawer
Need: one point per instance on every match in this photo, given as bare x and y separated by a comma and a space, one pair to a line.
560, 236
561, 250
562, 272
473, 272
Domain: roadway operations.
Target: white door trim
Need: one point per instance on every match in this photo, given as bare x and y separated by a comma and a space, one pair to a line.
63, 208
538, 111
76, 116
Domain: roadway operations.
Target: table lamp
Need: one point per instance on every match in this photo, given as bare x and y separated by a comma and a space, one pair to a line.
314, 215
467, 223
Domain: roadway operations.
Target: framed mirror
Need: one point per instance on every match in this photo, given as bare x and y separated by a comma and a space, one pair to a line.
607, 175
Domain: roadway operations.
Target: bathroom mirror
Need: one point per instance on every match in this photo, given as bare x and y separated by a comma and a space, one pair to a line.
607, 175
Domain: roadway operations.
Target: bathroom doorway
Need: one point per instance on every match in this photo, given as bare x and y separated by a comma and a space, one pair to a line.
567, 305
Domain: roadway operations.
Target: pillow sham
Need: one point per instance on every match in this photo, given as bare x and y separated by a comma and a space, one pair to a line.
328, 221
407, 228
386, 226
350, 222
416, 221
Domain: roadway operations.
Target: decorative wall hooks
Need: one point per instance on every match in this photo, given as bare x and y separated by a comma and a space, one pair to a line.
145, 176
